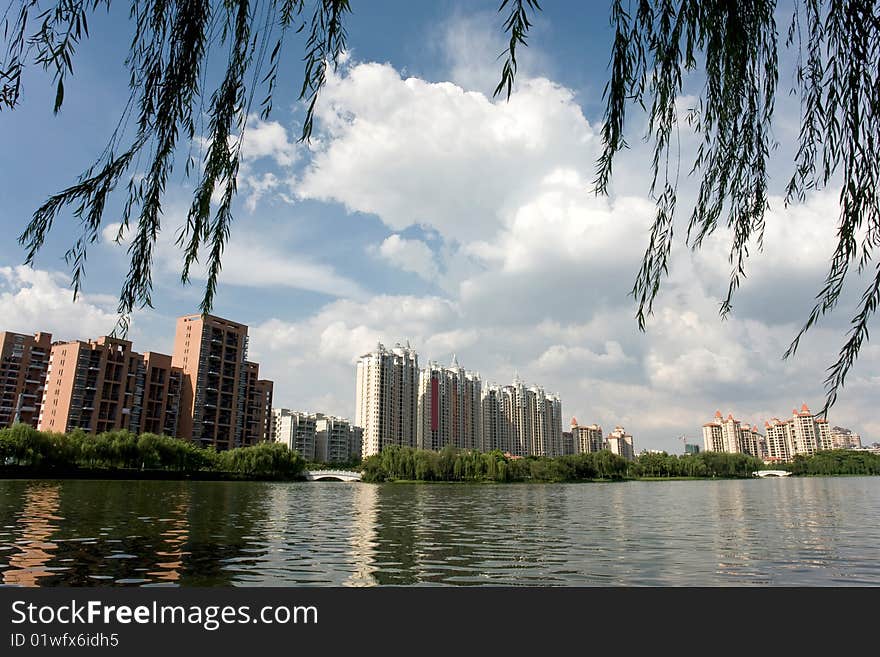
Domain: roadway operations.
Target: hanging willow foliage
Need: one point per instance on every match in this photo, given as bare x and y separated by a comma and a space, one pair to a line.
655, 43
837, 43
169, 54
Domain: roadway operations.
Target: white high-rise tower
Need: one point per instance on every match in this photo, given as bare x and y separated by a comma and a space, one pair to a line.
449, 407
386, 405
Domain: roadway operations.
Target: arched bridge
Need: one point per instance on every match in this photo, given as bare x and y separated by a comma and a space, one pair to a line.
772, 473
341, 475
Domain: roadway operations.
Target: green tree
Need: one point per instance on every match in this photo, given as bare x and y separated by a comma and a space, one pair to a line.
735, 44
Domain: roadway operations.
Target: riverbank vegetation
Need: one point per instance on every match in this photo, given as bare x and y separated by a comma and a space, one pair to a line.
836, 462
404, 463
23, 449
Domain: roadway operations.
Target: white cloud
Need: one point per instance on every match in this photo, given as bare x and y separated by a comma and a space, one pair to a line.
560, 357
267, 139
37, 300
415, 152
409, 255
470, 45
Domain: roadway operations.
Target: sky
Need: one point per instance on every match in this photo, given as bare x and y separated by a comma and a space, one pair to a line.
426, 210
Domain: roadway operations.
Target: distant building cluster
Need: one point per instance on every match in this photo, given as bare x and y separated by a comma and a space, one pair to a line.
802, 433
589, 438
317, 437
732, 436
207, 391
399, 404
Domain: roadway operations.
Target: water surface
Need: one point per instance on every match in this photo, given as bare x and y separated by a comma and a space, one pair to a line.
795, 531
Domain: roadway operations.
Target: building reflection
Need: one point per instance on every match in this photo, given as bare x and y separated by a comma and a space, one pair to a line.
36, 524
363, 536
172, 551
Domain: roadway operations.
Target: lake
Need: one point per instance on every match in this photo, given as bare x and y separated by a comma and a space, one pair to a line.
820, 531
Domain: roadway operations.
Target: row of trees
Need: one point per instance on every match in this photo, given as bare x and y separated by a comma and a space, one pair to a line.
836, 461
449, 464
23, 447
704, 464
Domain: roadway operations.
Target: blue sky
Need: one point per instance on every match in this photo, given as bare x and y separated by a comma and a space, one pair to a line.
426, 210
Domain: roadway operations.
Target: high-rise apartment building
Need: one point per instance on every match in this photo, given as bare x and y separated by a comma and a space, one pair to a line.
800, 434
495, 427
826, 442
449, 407
95, 386
532, 420
297, 430
212, 353
386, 404
547, 421
621, 443
778, 440
23, 363
587, 438
357, 442
519, 413
713, 440
568, 443
752, 442
804, 432
842, 438
336, 441
160, 404
257, 407
729, 435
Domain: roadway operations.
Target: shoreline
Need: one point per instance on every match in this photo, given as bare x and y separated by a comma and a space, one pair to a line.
125, 475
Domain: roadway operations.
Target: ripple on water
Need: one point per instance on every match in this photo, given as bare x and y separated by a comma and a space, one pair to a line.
656, 534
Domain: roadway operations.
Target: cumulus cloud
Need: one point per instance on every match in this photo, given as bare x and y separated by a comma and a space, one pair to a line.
561, 357
267, 139
37, 300
409, 255
415, 152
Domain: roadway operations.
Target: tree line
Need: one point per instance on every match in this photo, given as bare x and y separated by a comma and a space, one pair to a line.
24, 449
450, 464
836, 462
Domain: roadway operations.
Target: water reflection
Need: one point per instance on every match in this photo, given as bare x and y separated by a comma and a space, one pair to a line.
174, 538
363, 537
36, 523
766, 532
